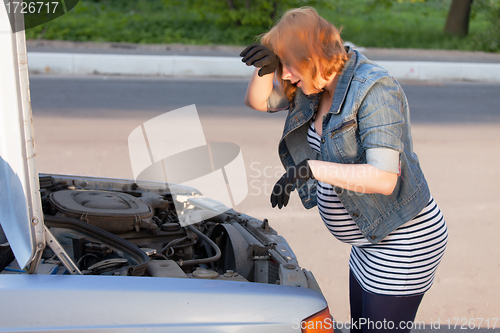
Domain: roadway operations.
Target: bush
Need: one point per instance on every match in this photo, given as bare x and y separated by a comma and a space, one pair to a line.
489, 39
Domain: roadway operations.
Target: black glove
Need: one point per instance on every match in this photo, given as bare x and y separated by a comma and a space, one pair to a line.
284, 186
260, 56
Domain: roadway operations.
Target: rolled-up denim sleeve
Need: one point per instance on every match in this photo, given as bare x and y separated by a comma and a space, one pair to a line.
277, 101
381, 122
383, 159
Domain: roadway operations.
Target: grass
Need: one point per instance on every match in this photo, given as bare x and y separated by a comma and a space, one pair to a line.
405, 24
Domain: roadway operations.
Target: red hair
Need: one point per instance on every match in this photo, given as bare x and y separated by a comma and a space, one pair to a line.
306, 41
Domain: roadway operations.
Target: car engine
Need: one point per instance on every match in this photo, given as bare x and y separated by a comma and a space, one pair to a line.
120, 227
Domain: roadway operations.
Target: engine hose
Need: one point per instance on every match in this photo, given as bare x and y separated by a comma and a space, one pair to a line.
175, 241
204, 260
103, 236
174, 247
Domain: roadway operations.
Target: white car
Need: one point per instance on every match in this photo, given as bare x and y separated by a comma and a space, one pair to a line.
110, 255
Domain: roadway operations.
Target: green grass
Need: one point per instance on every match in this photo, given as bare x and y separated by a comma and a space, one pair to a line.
405, 24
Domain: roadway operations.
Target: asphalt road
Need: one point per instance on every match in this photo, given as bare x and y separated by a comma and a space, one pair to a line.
457, 102
82, 126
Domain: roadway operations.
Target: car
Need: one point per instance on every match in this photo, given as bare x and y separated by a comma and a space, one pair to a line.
80, 253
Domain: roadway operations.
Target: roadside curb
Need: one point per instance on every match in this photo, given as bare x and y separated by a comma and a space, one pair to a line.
148, 65
231, 67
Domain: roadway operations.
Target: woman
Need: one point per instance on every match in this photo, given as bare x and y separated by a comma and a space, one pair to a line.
347, 148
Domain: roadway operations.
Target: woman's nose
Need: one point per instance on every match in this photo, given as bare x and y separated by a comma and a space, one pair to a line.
286, 74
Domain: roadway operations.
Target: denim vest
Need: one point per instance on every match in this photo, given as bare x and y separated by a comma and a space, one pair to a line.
369, 110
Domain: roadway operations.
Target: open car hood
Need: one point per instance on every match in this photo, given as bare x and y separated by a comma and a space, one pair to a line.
20, 207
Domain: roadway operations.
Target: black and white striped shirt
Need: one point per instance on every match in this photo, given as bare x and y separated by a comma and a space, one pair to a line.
402, 264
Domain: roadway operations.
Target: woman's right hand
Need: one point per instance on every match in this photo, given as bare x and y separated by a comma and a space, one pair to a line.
261, 57
285, 185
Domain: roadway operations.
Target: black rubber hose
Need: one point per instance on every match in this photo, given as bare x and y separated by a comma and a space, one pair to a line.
175, 241
104, 236
204, 260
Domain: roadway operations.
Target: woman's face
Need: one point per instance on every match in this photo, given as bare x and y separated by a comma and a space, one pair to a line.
307, 85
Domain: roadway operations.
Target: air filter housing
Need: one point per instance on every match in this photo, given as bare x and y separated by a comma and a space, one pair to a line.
112, 211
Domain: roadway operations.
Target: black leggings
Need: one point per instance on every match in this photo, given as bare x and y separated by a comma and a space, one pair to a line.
380, 313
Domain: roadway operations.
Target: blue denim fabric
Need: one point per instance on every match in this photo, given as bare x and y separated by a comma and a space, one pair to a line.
369, 110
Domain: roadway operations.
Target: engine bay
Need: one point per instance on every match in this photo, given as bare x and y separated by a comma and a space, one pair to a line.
119, 227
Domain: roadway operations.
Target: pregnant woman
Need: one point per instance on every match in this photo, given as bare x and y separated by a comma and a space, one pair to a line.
347, 148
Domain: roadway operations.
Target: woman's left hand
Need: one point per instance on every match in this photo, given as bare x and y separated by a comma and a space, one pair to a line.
284, 186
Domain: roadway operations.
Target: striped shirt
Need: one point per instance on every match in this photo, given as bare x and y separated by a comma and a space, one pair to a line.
403, 263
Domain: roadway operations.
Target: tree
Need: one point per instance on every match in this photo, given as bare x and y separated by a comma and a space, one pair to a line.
457, 23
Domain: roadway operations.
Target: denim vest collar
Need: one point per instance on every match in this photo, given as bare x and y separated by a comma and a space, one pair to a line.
344, 82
